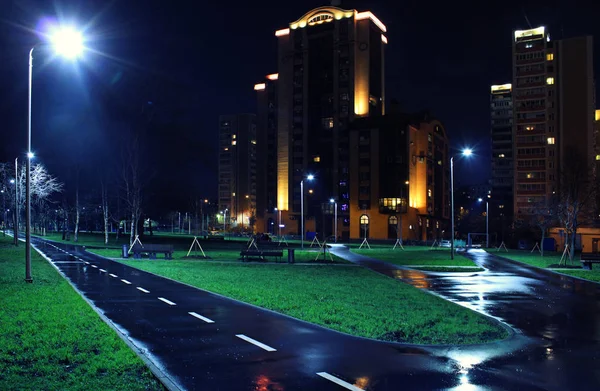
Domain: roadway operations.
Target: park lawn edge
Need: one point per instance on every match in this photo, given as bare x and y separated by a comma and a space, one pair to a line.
549, 270
160, 376
509, 332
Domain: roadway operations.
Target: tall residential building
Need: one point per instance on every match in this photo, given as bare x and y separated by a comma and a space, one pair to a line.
553, 112
266, 137
330, 71
501, 107
400, 172
237, 168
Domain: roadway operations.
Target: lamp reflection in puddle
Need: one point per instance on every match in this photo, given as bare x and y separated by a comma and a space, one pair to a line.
263, 383
362, 382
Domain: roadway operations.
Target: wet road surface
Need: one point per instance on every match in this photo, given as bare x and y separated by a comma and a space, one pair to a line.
204, 341
557, 314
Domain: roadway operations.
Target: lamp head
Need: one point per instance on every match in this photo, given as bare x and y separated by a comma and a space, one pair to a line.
12, 181
332, 200
67, 42
310, 177
30, 155
480, 199
467, 152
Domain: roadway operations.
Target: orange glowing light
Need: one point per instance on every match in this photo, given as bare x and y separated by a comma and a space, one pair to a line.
259, 87
369, 15
384, 39
282, 32
273, 76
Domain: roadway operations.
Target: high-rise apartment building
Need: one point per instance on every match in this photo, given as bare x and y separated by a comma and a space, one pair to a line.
266, 148
501, 108
237, 168
330, 71
553, 105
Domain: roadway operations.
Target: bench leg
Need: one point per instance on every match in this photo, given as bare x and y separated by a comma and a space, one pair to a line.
137, 256
587, 265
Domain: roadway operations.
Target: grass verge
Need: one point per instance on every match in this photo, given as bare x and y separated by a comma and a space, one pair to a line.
349, 299
551, 261
415, 255
51, 338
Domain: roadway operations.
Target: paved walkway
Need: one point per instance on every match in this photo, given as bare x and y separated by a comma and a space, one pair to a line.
204, 341
559, 315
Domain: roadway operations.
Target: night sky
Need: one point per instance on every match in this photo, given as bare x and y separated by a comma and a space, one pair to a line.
183, 63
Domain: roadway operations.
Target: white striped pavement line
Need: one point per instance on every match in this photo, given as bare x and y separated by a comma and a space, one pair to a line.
339, 381
126, 282
195, 315
255, 342
143, 290
87, 263
95, 267
169, 302
112, 275
103, 271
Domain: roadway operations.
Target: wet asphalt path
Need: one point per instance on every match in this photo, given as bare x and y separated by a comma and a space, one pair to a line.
559, 316
169, 321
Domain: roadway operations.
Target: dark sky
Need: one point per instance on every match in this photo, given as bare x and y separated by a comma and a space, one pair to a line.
195, 60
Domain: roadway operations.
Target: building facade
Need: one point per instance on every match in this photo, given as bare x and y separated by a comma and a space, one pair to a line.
399, 179
553, 104
330, 71
237, 170
501, 107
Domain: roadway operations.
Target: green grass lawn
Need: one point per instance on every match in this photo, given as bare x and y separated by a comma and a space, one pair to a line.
414, 255
52, 340
232, 255
551, 260
349, 299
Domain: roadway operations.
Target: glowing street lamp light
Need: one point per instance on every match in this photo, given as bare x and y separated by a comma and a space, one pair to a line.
465, 152
309, 177
67, 43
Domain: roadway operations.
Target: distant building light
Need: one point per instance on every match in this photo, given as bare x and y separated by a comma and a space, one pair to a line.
597, 157
551, 140
282, 32
253, 142
234, 142
273, 76
384, 39
549, 56
369, 15
317, 159
260, 87
501, 155
550, 81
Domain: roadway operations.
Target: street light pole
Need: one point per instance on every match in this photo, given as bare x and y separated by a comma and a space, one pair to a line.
302, 213
335, 217
487, 224
452, 207
28, 179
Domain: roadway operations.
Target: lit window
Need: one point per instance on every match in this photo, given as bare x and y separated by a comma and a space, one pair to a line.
429, 192
501, 155
550, 56
364, 220
551, 140
501, 206
327, 123
226, 149
317, 159
528, 46
597, 157
233, 142
529, 175
234, 136
253, 142
310, 191
529, 127
550, 80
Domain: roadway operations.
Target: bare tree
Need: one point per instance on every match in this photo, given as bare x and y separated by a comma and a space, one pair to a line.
105, 213
544, 217
131, 183
576, 193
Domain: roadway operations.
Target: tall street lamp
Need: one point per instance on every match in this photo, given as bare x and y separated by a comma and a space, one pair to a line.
487, 221
68, 43
224, 221
310, 178
334, 202
466, 152
16, 210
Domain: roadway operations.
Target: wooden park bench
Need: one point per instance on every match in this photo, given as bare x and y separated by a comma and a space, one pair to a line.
588, 258
152, 250
261, 254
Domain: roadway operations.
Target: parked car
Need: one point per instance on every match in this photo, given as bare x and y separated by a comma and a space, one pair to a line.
445, 243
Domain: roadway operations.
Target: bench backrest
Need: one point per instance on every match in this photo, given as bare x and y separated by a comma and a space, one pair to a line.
152, 247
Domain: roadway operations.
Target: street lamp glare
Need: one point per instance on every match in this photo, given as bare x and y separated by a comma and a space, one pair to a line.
310, 177
30, 155
467, 152
480, 199
12, 181
67, 42
331, 200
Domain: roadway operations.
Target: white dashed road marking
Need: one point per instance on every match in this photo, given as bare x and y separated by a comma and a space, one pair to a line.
112, 275
255, 342
103, 271
126, 282
339, 381
142, 289
87, 263
169, 302
195, 315
94, 266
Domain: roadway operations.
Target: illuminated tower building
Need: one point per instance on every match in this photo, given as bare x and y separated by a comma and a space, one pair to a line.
237, 168
330, 71
553, 113
501, 108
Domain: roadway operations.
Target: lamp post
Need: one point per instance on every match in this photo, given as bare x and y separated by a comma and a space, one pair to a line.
224, 221
487, 226
334, 202
310, 178
466, 152
68, 43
